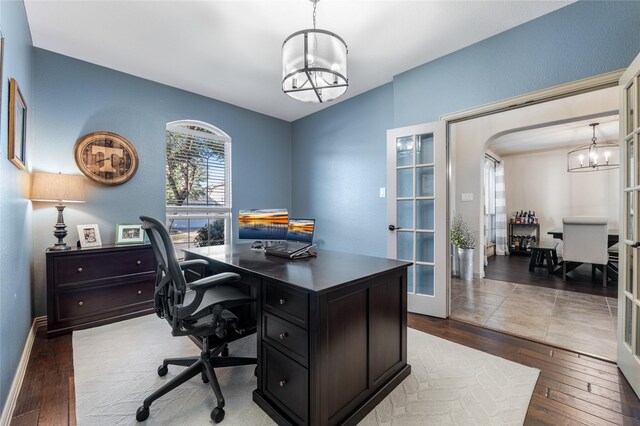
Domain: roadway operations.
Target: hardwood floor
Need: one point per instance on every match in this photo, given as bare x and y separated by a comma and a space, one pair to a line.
572, 389
515, 269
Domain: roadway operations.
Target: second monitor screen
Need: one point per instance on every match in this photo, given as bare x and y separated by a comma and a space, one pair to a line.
301, 230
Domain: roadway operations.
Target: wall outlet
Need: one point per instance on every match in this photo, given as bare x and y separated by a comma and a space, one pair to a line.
383, 192
467, 196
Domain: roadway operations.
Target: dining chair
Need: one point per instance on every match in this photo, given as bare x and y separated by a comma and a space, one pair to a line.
585, 240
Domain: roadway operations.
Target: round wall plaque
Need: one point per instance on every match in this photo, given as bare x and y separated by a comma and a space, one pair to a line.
106, 158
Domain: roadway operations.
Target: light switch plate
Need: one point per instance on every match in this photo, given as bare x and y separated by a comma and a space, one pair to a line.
467, 196
383, 192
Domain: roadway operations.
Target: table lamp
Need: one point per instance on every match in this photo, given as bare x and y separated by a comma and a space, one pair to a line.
52, 187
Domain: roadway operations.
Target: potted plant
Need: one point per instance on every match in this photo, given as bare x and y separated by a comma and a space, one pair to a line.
465, 240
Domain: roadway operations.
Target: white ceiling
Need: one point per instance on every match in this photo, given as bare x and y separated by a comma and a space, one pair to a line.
561, 136
230, 50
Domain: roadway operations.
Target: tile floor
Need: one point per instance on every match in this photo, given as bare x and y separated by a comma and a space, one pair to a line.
581, 322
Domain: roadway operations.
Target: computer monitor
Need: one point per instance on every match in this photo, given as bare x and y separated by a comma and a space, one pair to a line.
301, 230
263, 224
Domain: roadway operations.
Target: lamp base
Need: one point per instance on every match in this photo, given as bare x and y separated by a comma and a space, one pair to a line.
60, 232
57, 247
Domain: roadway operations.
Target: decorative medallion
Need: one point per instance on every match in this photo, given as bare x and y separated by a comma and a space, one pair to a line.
106, 158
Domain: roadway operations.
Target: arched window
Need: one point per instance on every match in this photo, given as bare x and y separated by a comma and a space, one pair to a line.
198, 184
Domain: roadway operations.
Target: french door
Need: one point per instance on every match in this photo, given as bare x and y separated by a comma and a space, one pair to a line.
628, 292
416, 213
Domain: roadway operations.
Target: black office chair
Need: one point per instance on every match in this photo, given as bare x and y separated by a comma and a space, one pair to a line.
201, 309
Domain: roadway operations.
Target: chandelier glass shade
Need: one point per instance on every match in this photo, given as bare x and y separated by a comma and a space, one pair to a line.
595, 156
314, 65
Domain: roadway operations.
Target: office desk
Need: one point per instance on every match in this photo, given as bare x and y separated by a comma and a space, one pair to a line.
332, 331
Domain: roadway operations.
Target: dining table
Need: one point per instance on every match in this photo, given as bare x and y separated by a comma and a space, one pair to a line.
612, 234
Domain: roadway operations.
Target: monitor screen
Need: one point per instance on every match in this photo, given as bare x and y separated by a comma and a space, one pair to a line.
301, 230
267, 224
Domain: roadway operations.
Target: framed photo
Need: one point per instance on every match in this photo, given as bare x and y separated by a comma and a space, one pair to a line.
129, 233
17, 125
89, 235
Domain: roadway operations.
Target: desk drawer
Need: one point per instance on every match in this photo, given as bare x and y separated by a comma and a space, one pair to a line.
89, 302
287, 382
286, 302
73, 269
288, 337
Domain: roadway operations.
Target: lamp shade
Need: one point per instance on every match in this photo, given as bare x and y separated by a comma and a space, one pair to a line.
314, 66
57, 187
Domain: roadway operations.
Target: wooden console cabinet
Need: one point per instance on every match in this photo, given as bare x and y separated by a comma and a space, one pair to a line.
88, 287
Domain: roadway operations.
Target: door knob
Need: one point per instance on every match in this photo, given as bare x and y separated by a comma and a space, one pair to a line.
635, 245
394, 228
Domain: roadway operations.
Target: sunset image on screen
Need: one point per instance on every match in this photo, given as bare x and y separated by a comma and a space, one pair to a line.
301, 230
266, 224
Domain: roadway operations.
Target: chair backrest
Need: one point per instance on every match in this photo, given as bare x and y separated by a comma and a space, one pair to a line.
170, 282
585, 239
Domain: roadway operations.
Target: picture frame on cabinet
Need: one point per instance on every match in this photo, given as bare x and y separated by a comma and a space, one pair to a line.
89, 235
17, 145
129, 233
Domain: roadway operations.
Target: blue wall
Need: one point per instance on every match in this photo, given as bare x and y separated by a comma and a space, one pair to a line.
15, 208
338, 165
581, 40
74, 98
343, 147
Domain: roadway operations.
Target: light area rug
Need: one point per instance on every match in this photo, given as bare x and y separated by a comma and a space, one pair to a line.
450, 384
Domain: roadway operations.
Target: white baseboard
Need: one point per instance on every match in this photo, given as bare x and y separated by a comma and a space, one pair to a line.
12, 398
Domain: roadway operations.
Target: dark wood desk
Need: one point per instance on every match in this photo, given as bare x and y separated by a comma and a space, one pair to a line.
613, 235
332, 331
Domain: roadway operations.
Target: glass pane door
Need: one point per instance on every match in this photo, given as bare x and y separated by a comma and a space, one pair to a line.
628, 293
416, 182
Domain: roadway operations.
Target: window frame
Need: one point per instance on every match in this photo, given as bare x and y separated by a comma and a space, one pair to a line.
208, 212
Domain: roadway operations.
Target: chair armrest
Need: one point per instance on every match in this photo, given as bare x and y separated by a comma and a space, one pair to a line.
213, 280
200, 288
196, 262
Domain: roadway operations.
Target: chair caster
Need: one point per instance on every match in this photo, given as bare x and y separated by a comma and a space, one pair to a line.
217, 415
143, 413
225, 351
205, 379
255, 371
162, 370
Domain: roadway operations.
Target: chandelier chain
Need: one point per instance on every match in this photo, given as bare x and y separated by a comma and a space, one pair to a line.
315, 3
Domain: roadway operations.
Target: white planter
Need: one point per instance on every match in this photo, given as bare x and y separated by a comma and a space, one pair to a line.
465, 260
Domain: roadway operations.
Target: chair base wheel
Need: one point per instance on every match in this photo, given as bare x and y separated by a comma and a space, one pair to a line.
225, 351
162, 370
143, 413
205, 379
217, 415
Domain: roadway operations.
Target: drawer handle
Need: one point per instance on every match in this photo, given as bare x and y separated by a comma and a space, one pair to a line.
284, 335
139, 291
282, 301
138, 263
79, 269
282, 382
80, 303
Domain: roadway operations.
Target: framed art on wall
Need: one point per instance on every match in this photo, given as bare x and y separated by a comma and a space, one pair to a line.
129, 233
89, 235
17, 125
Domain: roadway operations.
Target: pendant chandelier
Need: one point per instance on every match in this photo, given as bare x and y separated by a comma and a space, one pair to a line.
595, 156
314, 64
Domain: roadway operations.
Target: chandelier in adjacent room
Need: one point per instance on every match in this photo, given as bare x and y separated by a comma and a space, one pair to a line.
314, 64
595, 156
